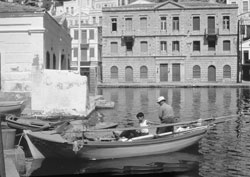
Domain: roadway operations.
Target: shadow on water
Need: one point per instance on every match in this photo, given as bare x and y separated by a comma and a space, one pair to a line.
174, 163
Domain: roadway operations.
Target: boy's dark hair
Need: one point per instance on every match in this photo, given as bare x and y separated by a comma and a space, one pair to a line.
140, 114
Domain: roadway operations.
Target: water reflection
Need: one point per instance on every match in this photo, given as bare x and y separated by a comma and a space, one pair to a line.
178, 162
226, 149
223, 152
188, 103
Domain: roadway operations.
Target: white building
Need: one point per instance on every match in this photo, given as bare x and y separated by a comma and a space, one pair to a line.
30, 35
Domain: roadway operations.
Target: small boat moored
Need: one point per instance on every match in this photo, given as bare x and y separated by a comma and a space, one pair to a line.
11, 106
53, 145
22, 123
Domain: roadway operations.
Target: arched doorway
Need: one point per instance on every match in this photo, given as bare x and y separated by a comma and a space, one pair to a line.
211, 73
129, 74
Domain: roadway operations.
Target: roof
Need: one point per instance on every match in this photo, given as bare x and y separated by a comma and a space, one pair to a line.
6, 7
185, 5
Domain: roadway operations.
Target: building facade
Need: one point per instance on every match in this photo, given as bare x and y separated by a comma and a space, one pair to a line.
86, 31
29, 36
170, 42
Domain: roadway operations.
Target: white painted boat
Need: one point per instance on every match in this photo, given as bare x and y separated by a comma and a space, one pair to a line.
52, 145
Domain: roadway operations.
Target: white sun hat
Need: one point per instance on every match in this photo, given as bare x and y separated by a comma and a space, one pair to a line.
161, 98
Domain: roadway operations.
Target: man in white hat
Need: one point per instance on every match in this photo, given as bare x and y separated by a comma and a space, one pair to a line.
166, 115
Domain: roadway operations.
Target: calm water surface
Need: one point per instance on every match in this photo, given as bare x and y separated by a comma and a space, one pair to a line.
223, 152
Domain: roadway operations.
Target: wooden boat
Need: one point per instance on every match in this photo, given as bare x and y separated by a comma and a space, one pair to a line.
49, 144
11, 106
27, 123
22, 123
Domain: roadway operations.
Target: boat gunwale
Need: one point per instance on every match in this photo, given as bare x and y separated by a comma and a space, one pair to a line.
10, 103
108, 144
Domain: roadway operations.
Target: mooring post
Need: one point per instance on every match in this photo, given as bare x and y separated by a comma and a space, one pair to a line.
2, 164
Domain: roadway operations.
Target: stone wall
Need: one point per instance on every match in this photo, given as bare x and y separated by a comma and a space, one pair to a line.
59, 92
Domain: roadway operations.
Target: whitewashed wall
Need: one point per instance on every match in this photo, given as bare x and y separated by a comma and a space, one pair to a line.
59, 92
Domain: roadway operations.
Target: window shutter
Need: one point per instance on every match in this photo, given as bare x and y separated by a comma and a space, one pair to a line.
92, 52
196, 23
75, 52
91, 34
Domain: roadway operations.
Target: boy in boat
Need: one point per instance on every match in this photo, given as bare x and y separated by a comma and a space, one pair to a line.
135, 133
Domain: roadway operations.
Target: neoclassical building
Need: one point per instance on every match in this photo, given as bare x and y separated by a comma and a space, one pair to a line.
186, 41
30, 36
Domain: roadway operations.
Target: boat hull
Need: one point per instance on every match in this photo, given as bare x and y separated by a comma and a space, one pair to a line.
10, 106
109, 150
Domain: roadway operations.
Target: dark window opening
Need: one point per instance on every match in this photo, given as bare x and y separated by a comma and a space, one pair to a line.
196, 46
129, 45
211, 45
246, 57
114, 24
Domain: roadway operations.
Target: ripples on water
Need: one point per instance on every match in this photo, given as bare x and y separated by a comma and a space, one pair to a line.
223, 152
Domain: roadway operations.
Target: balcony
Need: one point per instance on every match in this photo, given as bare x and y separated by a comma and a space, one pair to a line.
84, 46
212, 34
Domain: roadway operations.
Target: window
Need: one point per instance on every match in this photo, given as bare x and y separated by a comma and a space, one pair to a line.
92, 52
114, 24
67, 10
163, 46
196, 46
211, 45
54, 61
143, 23
242, 29
76, 34
196, 71
226, 71
245, 6
211, 24
144, 46
196, 23
129, 46
175, 23
128, 24
72, 10
94, 20
100, 20
114, 47
114, 72
226, 22
91, 34
176, 46
246, 56
164, 23
226, 45
143, 72
75, 52
47, 60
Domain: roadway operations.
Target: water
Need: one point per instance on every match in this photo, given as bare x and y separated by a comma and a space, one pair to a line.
223, 152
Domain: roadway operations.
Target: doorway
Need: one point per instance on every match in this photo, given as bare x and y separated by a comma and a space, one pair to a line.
211, 73
163, 72
129, 74
176, 72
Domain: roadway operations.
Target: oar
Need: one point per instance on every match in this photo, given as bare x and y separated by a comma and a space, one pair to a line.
163, 125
